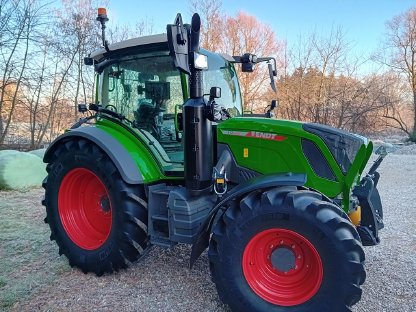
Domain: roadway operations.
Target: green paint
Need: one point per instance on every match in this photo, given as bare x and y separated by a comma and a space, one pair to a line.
353, 174
272, 156
369, 151
148, 164
184, 83
97, 84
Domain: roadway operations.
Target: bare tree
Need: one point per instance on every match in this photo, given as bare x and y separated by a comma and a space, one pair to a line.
244, 34
213, 23
322, 83
400, 43
23, 19
236, 35
77, 34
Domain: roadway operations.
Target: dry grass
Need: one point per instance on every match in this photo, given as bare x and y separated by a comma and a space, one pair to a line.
26, 253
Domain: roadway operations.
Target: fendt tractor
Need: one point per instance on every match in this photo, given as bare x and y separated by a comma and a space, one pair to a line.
165, 155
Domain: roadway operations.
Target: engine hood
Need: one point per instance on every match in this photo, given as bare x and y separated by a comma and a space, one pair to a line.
344, 146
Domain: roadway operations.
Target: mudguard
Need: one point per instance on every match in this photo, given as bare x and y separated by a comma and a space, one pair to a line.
258, 183
118, 154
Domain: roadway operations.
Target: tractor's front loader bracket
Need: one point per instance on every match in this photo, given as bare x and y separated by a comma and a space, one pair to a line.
371, 209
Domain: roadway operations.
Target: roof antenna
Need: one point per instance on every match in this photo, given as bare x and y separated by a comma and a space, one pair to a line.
102, 18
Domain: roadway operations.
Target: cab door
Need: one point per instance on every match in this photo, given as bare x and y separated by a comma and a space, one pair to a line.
149, 90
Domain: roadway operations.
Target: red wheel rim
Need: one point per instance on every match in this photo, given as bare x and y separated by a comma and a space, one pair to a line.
85, 208
290, 287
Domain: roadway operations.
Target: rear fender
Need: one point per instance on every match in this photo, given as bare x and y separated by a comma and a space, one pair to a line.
258, 183
128, 169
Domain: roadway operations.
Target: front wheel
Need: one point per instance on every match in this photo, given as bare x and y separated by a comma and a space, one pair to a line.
98, 221
286, 250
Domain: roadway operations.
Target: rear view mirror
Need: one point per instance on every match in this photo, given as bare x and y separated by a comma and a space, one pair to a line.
272, 73
271, 108
179, 120
274, 104
178, 123
88, 61
214, 93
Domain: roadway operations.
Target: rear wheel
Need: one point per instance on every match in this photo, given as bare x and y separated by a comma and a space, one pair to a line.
98, 221
286, 250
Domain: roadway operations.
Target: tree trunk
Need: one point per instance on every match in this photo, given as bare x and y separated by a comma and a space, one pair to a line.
55, 96
18, 83
77, 89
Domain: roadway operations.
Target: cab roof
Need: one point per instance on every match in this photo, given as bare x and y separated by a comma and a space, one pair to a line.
160, 40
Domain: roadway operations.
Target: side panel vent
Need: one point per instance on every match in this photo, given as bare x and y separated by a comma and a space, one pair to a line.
317, 160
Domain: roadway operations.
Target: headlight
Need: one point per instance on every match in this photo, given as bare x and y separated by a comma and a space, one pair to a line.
200, 61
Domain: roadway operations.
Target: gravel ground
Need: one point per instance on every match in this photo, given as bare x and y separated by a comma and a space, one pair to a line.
33, 277
406, 149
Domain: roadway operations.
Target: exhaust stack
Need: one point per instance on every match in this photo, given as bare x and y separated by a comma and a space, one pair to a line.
183, 43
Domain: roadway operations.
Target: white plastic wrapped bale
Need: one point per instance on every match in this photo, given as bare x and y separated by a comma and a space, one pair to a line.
39, 152
19, 170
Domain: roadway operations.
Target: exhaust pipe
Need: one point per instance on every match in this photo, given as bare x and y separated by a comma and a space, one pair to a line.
183, 42
197, 128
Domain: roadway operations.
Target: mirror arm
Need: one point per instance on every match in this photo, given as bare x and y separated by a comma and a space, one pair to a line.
267, 59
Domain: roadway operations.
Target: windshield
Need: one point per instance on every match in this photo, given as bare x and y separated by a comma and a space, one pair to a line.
222, 74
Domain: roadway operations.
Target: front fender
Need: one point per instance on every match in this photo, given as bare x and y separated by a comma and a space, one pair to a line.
258, 183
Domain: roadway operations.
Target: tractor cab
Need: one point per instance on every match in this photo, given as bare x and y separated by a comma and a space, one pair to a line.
138, 80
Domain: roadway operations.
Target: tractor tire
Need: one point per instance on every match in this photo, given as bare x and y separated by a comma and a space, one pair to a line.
98, 221
286, 250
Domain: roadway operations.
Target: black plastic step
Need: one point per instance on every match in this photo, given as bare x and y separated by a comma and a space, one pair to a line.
163, 242
160, 217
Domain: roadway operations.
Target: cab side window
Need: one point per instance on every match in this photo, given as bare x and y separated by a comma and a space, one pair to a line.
148, 91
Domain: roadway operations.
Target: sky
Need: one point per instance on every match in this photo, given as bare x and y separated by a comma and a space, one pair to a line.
363, 21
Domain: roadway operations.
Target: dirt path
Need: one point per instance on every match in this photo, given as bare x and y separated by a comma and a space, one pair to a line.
33, 277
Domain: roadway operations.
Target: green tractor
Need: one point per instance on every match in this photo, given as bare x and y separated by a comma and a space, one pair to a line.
165, 155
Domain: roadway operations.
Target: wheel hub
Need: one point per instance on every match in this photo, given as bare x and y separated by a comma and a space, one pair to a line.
282, 267
105, 204
283, 259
